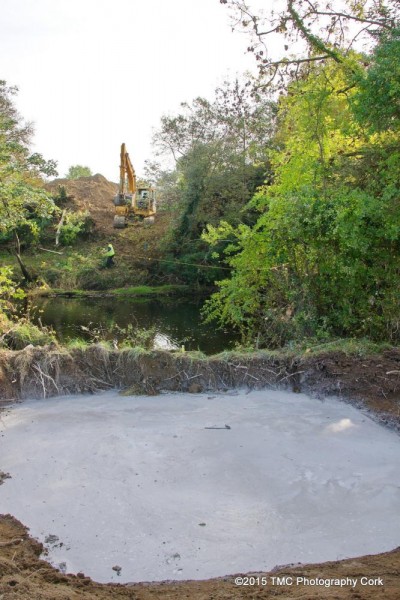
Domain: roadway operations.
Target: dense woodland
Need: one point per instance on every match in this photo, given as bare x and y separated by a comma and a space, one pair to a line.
285, 188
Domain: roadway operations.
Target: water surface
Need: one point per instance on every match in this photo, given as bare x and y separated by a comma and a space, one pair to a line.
177, 321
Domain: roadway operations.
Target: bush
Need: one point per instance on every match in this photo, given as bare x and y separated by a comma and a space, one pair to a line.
23, 333
9, 291
78, 225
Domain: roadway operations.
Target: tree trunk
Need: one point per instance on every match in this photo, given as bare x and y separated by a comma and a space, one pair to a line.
27, 276
59, 227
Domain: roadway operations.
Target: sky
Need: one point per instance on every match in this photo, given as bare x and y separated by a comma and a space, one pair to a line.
95, 73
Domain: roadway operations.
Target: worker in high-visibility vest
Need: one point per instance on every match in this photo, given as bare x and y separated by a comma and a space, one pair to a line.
109, 254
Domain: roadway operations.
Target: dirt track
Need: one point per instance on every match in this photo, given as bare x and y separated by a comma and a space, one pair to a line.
372, 382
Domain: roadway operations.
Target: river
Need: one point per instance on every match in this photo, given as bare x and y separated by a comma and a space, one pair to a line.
176, 321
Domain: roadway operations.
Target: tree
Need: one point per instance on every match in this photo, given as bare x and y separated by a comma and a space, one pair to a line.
323, 257
219, 148
241, 124
24, 204
377, 102
304, 31
76, 171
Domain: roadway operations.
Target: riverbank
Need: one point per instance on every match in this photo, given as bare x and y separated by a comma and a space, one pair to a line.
368, 380
145, 291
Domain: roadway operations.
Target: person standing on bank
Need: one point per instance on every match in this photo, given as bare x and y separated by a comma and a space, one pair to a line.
109, 254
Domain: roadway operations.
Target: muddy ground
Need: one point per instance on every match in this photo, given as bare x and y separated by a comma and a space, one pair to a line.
369, 382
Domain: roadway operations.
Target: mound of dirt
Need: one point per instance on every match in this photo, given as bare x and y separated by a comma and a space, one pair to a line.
94, 194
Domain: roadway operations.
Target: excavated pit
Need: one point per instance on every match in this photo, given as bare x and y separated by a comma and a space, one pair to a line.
182, 486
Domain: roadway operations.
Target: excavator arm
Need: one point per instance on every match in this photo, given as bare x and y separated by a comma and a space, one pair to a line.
127, 174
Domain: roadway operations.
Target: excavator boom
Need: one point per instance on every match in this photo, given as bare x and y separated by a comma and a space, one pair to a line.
127, 175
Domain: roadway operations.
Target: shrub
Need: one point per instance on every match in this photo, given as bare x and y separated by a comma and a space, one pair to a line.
77, 225
23, 333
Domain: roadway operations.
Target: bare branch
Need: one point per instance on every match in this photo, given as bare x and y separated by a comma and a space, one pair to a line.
381, 23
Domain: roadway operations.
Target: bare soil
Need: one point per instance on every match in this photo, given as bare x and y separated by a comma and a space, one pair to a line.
94, 194
372, 383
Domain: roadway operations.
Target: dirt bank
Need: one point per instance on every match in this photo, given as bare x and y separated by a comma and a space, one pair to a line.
371, 382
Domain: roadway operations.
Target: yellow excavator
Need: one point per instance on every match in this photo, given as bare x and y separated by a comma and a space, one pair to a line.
131, 199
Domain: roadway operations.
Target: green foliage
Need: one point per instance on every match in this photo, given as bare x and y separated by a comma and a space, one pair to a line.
23, 332
9, 291
22, 199
323, 258
61, 198
17, 333
220, 154
66, 273
24, 205
303, 33
115, 336
77, 225
139, 337
76, 171
377, 101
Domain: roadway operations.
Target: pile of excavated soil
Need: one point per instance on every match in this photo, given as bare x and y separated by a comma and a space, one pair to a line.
94, 194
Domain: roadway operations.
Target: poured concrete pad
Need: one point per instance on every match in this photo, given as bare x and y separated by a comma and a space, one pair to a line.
159, 487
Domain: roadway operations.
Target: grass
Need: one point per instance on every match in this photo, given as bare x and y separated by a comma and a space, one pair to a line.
132, 291
77, 273
147, 290
349, 346
17, 335
77, 343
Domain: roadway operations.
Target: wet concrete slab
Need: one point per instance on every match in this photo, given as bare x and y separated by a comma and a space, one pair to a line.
182, 486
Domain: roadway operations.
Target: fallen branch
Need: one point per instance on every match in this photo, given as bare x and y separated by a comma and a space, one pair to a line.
108, 384
52, 251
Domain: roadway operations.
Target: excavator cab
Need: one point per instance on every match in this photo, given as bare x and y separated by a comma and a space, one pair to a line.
145, 202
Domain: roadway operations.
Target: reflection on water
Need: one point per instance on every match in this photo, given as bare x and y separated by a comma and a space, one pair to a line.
176, 321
